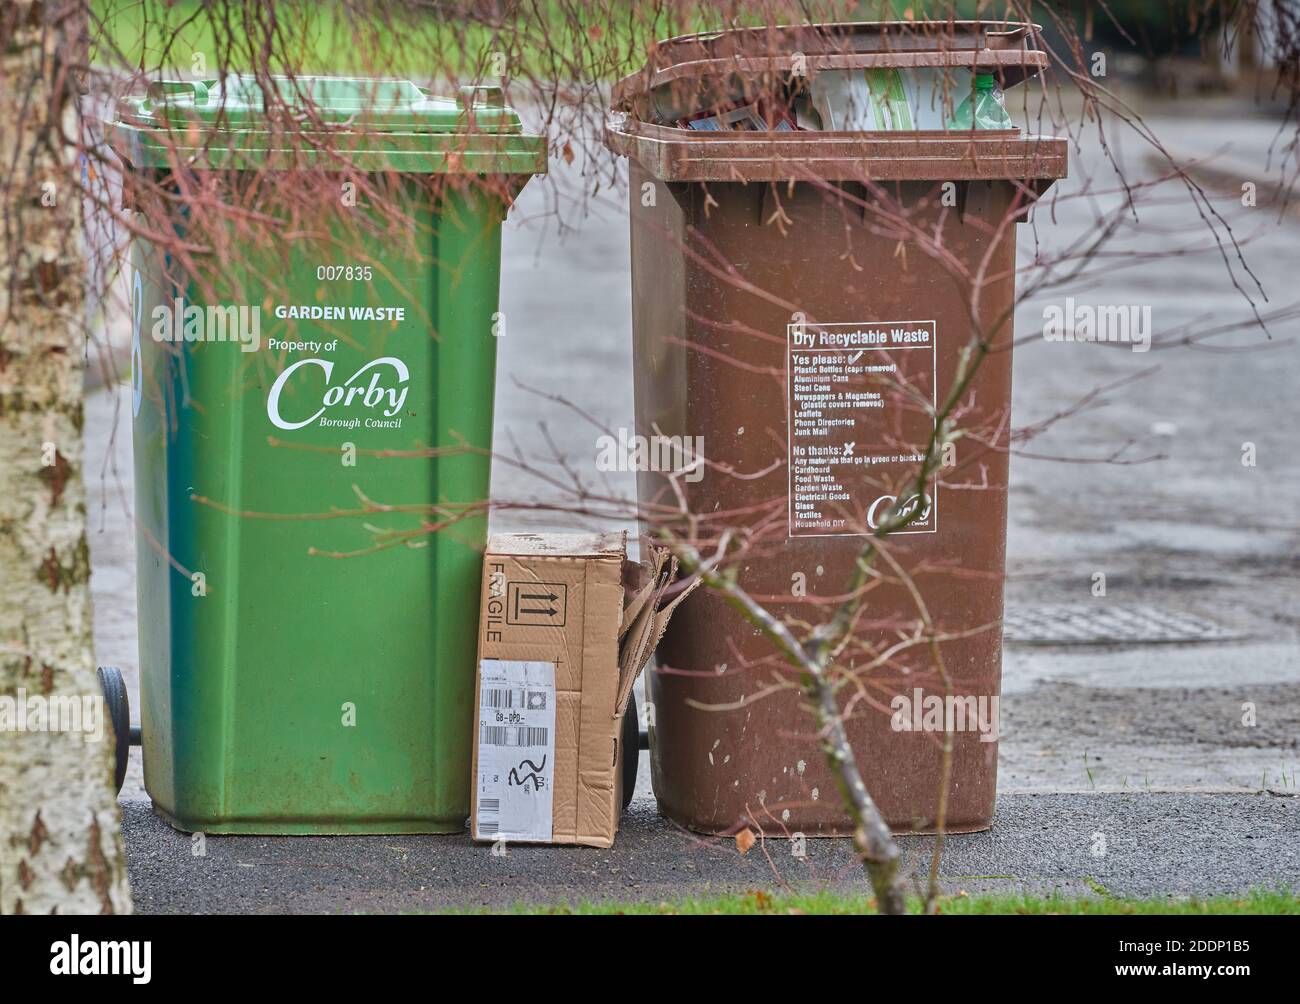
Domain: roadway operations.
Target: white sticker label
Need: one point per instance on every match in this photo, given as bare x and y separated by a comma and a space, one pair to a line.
861, 400
516, 750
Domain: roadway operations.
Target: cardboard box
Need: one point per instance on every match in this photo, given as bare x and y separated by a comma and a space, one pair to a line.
566, 624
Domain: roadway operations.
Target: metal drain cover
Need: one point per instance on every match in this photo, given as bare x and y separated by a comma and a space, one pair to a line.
1096, 623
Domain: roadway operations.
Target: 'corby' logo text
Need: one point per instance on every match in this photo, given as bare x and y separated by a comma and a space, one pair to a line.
384, 392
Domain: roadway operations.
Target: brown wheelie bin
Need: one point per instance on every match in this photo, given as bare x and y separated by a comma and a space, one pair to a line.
804, 299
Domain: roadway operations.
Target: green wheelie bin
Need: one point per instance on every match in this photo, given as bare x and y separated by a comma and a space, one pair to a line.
312, 435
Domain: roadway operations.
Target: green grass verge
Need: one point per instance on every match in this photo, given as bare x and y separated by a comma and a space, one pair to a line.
546, 41
1258, 901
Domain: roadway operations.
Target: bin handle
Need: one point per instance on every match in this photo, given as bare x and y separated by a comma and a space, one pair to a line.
159, 91
494, 96
1010, 34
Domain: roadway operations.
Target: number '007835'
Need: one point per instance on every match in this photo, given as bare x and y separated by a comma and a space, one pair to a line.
346, 273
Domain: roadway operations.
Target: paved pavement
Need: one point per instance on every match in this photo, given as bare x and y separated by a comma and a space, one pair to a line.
1193, 532
1074, 844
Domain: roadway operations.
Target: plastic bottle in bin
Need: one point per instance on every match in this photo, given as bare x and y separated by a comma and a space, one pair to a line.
982, 108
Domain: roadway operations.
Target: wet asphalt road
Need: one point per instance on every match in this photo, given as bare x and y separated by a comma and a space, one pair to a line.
1137, 844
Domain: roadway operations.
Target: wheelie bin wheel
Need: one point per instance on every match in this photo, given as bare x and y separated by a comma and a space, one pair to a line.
631, 749
119, 713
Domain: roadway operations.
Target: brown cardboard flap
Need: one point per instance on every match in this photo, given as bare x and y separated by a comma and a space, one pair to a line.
648, 579
562, 545
647, 625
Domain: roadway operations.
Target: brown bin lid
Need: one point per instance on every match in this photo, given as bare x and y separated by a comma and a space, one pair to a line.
1008, 49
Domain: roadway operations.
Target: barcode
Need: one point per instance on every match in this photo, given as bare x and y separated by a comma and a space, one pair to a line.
500, 697
489, 807
514, 735
504, 698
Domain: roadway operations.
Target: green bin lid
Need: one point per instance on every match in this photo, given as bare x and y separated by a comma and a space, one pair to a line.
377, 124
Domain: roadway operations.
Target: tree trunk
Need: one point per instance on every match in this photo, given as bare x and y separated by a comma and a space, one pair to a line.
60, 840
